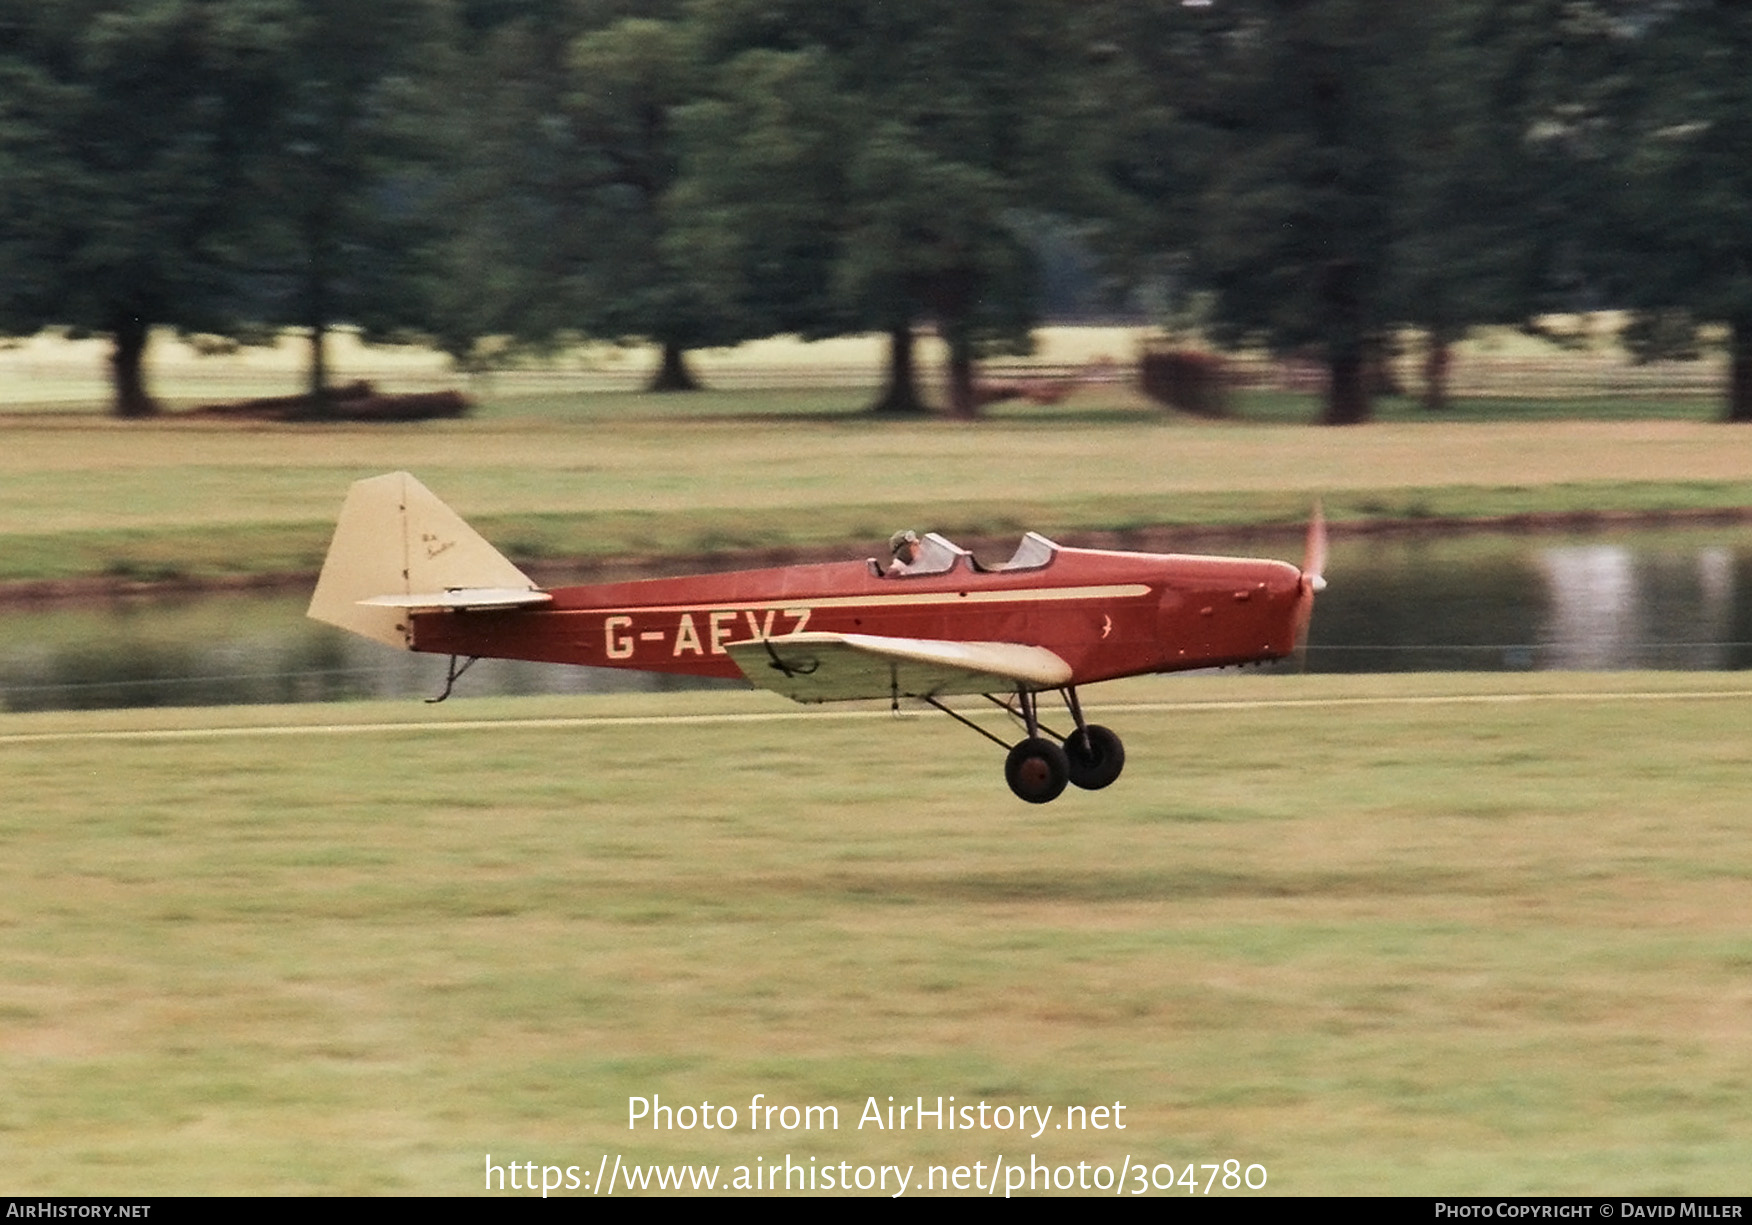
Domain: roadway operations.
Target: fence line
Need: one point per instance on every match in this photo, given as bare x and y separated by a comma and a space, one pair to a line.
1487, 375
1470, 375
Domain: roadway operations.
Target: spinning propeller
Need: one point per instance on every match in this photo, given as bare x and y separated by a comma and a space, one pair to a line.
1313, 579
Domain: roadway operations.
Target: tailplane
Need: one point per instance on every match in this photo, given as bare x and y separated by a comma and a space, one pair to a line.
397, 548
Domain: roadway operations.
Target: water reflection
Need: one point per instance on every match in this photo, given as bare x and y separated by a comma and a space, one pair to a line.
230, 649
1498, 601
1593, 605
1479, 602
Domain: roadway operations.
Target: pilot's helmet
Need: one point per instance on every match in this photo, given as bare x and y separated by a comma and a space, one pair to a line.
901, 539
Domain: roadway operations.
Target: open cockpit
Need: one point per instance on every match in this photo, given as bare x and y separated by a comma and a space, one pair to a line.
935, 554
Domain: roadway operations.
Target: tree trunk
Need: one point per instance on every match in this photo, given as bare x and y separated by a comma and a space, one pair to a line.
317, 395
1438, 356
321, 262
1347, 388
962, 403
900, 398
128, 367
1380, 369
1740, 370
1348, 345
672, 373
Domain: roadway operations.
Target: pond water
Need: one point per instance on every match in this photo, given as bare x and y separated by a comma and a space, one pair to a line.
1677, 599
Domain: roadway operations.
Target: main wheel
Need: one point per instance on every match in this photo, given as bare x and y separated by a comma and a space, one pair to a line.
1037, 770
1096, 757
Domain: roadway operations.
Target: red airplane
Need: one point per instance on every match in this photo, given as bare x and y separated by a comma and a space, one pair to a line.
404, 569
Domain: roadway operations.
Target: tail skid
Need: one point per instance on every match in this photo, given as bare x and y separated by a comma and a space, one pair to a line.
397, 548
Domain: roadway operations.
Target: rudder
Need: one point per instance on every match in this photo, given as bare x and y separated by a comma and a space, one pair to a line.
395, 538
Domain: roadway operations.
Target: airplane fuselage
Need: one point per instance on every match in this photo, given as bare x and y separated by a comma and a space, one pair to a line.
1107, 614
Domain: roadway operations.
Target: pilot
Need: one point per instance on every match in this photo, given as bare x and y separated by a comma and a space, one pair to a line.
904, 545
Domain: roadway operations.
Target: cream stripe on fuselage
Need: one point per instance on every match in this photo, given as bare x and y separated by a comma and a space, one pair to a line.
1117, 591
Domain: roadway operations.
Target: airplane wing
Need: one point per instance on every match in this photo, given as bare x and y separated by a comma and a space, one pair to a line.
821, 667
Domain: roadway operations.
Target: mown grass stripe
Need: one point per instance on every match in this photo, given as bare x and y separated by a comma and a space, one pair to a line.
587, 721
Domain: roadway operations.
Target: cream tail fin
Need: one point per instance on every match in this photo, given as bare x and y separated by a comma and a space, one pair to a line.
395, 539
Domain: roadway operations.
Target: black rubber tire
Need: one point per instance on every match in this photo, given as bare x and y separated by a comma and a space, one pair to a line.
1096, 759
1037, 771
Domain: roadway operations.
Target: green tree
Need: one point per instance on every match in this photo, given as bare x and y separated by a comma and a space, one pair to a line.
569, 184
1154, 71
126, 132
347, 188
506, 254
1684, 208
942, 120
762, 191
629, 80
1298, 212
1331, 170
1494, 203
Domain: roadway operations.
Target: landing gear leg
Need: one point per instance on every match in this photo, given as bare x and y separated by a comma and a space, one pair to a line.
1094, 753
1036, 769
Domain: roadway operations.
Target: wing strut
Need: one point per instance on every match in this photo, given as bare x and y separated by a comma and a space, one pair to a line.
966, 722
1027, 709
1028, 713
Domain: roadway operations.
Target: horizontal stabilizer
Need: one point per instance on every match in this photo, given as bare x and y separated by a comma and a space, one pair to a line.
462, 598
821, 667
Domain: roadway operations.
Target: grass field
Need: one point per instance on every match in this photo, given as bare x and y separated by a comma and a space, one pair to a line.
185, 499
1464, 934
568, 474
